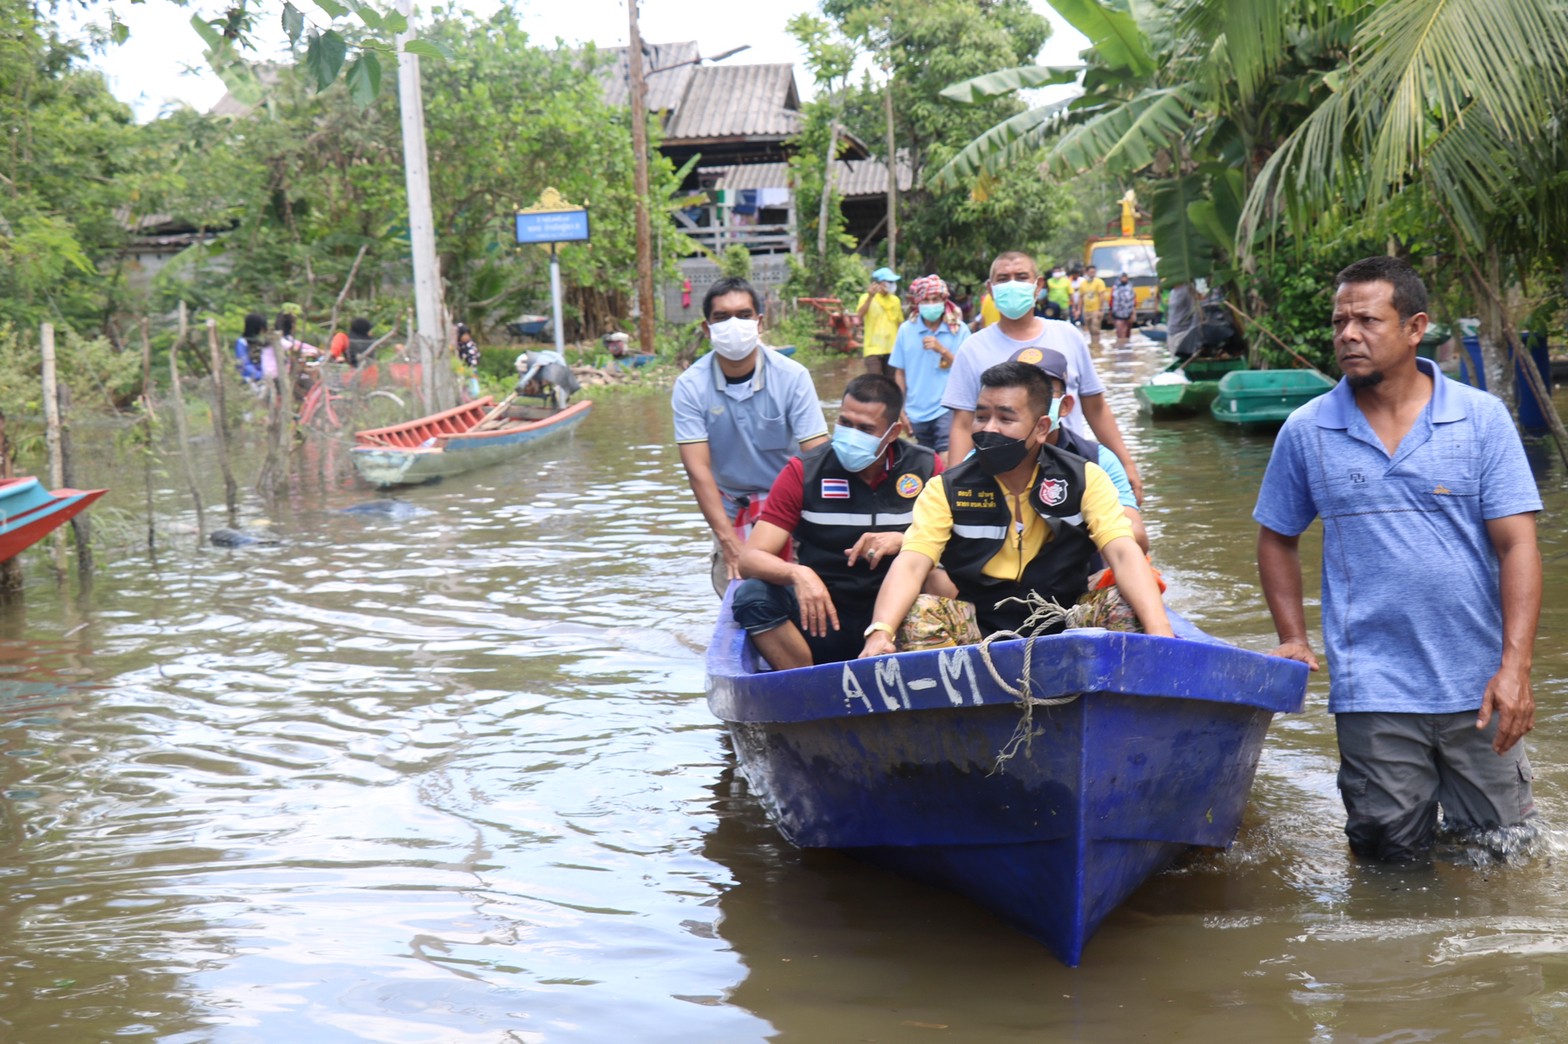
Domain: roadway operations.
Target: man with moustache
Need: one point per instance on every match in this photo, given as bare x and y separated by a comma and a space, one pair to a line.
1423, 487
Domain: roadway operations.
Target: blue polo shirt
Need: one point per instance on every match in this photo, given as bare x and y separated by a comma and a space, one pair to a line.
925, 381
752, 428
1412, 614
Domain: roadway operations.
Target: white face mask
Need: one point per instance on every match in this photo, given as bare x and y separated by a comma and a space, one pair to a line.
734, 339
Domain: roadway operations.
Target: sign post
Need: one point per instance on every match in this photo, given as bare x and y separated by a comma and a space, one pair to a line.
552, 220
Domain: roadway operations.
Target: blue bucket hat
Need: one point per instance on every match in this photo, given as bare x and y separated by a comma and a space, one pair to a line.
885, 275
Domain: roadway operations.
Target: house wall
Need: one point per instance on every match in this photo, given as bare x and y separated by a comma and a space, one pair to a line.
768, 273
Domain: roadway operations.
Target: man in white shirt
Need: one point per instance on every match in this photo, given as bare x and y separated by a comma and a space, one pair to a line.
1012, 284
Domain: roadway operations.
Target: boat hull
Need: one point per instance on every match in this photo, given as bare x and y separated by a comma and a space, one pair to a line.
894, 760
1191, 397
28, 512
457, 453
1266, 397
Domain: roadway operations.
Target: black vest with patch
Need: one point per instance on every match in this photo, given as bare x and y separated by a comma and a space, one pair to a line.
831, 524
982, 523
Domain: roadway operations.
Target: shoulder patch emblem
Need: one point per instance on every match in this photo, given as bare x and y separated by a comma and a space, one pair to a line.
1053, 491
909, 485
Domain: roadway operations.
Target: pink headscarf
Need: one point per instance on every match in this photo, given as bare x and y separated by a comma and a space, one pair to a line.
920, 288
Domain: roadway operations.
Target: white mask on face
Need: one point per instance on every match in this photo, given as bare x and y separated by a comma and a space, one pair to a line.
733, 339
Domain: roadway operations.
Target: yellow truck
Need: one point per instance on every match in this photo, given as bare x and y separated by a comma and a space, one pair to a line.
1130, 253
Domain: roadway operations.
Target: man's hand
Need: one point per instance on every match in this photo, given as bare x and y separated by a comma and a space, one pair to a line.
730, 547
1297, 649
817, 613
1136, 481
879, 644
1509, 694
875, 548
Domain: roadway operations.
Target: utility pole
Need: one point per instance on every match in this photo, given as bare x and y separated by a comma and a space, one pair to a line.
892, 176
429, 310
639, 116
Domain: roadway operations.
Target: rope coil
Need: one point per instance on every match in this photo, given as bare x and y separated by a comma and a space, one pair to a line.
1044, 615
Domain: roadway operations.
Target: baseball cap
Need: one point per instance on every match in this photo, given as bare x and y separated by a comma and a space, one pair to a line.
885, 275
1053, 362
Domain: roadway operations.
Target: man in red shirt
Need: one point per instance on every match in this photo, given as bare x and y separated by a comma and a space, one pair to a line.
846, 505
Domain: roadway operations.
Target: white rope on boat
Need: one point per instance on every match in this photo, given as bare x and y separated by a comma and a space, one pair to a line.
1043, 615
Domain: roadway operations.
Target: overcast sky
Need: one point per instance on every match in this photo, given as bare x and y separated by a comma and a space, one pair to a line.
161, 61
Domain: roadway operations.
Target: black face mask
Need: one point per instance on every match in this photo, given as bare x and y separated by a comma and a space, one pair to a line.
997, 454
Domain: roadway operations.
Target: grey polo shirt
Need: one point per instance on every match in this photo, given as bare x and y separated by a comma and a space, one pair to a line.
752, 428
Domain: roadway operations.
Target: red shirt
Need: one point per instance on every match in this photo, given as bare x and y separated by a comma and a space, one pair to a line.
782, 508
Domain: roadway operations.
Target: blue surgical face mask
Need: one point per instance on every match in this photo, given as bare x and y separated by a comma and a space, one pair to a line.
857, 450
1014, 299
932, 312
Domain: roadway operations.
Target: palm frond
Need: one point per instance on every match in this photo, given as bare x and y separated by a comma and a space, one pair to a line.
1006, 81
1125, 138
1000, 146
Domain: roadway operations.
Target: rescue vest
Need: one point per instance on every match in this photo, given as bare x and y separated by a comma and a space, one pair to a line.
837, 507
982, 523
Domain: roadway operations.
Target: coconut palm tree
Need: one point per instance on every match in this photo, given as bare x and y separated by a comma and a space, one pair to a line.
1462, 107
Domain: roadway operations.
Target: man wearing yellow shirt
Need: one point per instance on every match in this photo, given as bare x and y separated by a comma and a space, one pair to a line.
1091, 292
1019, 515
882, 314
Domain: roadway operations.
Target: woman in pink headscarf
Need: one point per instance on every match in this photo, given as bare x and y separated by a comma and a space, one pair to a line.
922, 357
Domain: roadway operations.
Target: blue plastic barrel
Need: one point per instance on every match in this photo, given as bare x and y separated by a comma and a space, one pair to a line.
1531, 416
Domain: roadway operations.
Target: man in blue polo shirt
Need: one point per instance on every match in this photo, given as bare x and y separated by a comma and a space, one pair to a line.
741, 412
1431, 577
922, 358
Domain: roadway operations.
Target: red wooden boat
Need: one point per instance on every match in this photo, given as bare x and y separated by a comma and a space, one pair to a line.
28, 512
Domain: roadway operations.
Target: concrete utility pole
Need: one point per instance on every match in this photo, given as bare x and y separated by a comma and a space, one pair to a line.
892, 177
647, 307
429, 310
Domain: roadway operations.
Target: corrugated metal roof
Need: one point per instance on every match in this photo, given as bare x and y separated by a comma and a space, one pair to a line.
666, 88
729, 101
855, 178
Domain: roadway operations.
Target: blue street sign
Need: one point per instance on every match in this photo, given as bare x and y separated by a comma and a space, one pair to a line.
553, 226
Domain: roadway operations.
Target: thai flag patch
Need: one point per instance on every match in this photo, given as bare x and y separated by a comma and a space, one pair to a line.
835, 489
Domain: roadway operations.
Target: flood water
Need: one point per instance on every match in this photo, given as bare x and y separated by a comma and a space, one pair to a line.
452, 779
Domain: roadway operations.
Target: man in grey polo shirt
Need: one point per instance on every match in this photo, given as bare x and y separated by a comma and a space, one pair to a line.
1431, 577
741, 412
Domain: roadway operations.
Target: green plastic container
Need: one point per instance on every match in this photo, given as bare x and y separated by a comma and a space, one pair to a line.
1265, 396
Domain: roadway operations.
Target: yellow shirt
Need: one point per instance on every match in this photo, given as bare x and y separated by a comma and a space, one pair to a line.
882, 321
1092, 293
933, 524
989, 316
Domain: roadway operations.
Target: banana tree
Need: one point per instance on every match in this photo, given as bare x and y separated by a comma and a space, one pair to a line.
1194, 93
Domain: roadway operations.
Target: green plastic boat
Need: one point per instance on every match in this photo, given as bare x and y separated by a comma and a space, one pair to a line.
1181, 390
1265, 396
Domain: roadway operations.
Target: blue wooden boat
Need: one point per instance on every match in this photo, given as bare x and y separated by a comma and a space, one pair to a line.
894, 760
456, 440
28, 512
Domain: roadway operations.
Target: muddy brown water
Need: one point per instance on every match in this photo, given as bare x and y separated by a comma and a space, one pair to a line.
452, 779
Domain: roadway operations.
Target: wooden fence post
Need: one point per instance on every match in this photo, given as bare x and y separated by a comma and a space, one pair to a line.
182, 426
220, 425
